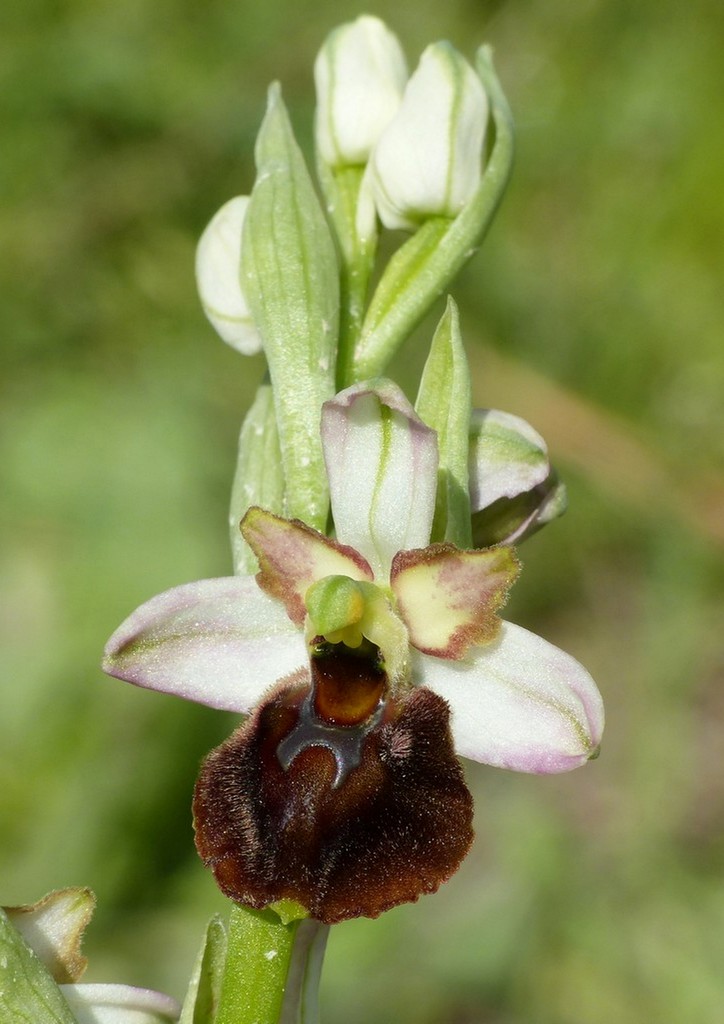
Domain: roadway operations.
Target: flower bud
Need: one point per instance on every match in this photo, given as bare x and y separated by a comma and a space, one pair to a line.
427, 162
513, 489
218, 260
360, 75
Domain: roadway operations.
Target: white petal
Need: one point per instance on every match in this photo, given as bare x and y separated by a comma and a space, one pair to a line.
119, 1004
518, 703
218, 277
382, 468
220, 642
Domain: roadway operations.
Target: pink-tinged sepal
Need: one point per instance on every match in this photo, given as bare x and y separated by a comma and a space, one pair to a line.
449, 598
292, 556
514, 491
221, 642
382, 466
519, 703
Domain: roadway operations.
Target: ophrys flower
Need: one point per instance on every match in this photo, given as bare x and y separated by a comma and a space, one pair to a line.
348, 763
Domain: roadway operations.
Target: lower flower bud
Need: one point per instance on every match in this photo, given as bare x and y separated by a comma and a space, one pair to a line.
347, 819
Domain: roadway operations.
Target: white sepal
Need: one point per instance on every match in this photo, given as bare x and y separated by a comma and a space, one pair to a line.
382, 467
221, 642
518, 703
119, 1004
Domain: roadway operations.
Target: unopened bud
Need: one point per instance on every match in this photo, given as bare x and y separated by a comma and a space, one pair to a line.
427, 162
360, 74
513, 489
218, 262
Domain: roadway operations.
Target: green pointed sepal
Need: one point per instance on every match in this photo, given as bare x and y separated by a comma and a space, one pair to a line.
290, 280
204, 991
444, 402
258, 479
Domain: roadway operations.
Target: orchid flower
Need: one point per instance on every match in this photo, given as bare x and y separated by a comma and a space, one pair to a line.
383, 625
514, 491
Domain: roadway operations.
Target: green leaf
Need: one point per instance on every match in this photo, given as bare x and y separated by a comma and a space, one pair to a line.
421, 270
444, 403
259, 479
204, 992
28, 994
290, 280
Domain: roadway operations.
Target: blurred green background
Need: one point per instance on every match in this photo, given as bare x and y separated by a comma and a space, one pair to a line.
595, 310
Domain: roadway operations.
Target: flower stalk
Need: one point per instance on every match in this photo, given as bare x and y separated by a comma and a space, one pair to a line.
272, 969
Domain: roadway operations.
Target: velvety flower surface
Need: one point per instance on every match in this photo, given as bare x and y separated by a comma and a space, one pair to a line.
347, 819
343, 649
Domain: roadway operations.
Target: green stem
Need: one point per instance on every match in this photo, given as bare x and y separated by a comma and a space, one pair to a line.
354, 281
272, 970
342, 188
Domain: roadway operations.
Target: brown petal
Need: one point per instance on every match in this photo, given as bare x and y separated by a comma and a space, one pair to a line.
385, 832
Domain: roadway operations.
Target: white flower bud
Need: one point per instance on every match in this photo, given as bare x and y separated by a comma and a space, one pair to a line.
360, 74
427, 162
218, 260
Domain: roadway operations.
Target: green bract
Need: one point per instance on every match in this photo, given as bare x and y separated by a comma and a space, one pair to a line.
27, 990
290, 280
444, 402
259, 479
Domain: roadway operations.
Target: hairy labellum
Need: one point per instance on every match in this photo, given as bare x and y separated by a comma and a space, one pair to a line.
334, 796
